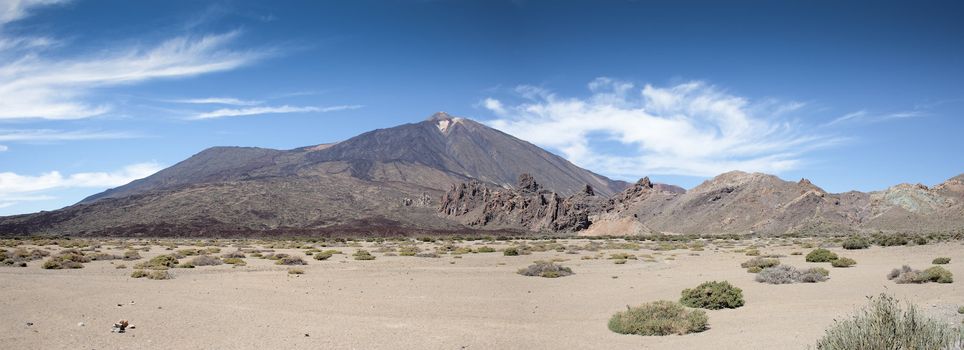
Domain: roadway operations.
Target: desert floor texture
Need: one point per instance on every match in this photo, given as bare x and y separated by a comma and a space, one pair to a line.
467, 301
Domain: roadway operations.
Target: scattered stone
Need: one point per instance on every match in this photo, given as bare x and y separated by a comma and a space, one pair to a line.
119, 327
29, 324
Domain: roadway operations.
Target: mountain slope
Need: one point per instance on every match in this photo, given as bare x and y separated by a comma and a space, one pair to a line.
384, 178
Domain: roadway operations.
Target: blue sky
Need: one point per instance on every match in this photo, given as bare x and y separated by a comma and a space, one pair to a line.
851, 95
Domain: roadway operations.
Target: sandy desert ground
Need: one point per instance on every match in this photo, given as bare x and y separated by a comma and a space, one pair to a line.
475, 301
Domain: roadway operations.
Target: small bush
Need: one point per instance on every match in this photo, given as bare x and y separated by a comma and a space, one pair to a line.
206, 260
427, 255
152, 274
821, 255
362, 254
485, 249
408, 250
759, 263
160, 262
131, 255
545, 269
235, 261
785, 274
752, 252
906, 275
237, 254
713, 295
941, 261
290, 260
294, 271
891, 240
622, 256
843, 262
856, 243
322, 255
510, 251
884, 324
658, 318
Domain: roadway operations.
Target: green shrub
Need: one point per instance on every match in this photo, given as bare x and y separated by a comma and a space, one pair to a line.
908, 275
856, 243
362, 254
843, 262
821, 255
713, 295
290, 260
294, 271
159, 275
759, 263
159, 262
510, 251
131, 255
752, 252
891, 240
485, 249
322, 255
941, 261
938, 274
884, 324
658, 318
139, 274
408, 250
545, 269
235, 261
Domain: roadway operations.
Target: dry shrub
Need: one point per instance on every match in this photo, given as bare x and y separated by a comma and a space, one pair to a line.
545, 269
658, 318
884, 324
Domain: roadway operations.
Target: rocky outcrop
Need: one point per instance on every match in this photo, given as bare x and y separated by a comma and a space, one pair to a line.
526, 206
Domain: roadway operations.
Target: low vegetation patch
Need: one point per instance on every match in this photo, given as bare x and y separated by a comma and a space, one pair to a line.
713, 295
295, 271
906, 274
322, 255
131, 255
757, 264
66, 259
785, 274
843, 262
545, 269
510, 251
234, 261
885, 324
160, 262
290, 260
485, 249
658, 318
941, 261
821, 255
206, 260
152, 274
362, 254
856, 243
238, 254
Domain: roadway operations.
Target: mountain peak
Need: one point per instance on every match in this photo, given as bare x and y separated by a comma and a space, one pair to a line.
439, 116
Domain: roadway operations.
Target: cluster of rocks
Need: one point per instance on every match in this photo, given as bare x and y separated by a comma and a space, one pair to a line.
528, 206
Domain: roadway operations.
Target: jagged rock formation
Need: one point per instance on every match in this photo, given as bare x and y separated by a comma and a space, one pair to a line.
527, 206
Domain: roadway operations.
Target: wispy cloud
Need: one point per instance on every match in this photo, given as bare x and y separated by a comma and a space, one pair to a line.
862, 116
62, 135
12, 10
239, 112
35, 84
4, 148
687, 129
16, 188
218, 101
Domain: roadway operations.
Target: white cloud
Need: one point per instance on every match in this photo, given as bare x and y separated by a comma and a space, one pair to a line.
60, 135
4, 148
218, 101
687, 129
238, 112
865, 117
12, 10
35, 85
16, 188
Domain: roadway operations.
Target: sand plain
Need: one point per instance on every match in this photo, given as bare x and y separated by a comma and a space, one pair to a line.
473, 301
